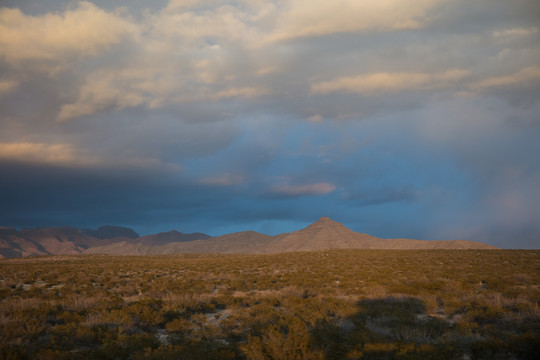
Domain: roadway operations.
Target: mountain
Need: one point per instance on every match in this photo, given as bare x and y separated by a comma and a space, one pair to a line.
245, 242
67, 240
323, 234
13, 244
172, 236
42, 241
170, 242
329, 234
111, 232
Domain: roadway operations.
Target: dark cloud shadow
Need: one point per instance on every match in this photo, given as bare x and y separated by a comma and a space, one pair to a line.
398, 327
384, 328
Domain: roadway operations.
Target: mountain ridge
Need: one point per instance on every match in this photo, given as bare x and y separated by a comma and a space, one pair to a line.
323, 234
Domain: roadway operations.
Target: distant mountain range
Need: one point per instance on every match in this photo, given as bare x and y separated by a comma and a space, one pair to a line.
116, 240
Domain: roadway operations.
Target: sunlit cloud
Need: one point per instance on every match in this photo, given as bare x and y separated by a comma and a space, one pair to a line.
522, 77
38, 152
300, 18
245, 92
80, 31
128, 88
389, 82
66, 155
104, 90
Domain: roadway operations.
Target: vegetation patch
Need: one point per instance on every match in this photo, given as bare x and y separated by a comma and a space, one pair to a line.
339, 304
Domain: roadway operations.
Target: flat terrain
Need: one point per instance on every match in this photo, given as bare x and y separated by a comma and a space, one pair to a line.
338, 304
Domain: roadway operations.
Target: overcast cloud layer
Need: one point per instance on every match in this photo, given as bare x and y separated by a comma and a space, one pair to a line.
398, 118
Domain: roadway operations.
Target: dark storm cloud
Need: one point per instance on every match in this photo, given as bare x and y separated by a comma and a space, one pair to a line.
34, 195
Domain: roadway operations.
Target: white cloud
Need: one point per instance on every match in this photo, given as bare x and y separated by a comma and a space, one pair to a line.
389, 82
307, 189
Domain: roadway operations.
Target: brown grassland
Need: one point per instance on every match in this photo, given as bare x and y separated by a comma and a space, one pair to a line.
336, 304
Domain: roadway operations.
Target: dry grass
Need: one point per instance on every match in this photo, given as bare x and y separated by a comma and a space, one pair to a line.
332, 304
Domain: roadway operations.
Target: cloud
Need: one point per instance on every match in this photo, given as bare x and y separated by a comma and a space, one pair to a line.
245, 92
315, 119
178, 55
150, 87
223, 180
304, 190
300, 18
6, 86
82, 31
380, 83
215, 51
205, 26
37, 152
383, 195
521, 78
66, 155
516, 32
105, 90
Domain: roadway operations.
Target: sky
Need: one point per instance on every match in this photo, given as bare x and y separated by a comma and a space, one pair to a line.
397, 118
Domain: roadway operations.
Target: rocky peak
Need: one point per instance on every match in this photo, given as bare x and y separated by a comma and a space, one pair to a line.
324, 222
